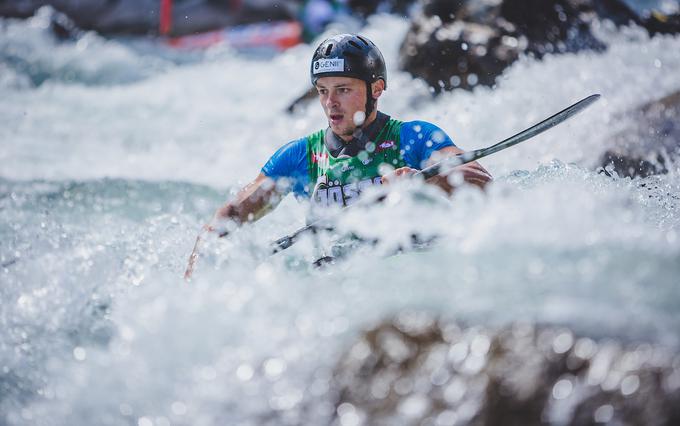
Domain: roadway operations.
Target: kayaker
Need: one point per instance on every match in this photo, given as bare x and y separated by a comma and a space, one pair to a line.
360, 147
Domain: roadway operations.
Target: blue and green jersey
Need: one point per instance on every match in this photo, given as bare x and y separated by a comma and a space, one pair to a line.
313, 172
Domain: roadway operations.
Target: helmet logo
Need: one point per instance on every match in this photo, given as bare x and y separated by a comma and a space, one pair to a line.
328, 65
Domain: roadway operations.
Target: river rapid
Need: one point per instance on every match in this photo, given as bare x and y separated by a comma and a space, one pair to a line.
114, 153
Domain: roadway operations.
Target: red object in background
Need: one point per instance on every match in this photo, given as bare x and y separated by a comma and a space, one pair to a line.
165, 24
274, 35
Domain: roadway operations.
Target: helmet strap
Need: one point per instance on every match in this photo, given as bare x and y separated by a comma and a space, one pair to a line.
370, 102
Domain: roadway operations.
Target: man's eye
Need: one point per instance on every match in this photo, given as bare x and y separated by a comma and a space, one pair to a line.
343, 90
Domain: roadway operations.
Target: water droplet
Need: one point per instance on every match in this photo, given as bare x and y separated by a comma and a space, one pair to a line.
563, 343
274, 367
414, 406
630, 385
144, 421
380, 389
359, 118
446, 418
345, 408
562, 389
604, 414
244, 372
455, 391
79, 353
438, 136
480, 345
585, 348
440, 377
348, 415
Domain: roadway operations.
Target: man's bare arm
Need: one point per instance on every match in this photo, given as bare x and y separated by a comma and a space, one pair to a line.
252, 202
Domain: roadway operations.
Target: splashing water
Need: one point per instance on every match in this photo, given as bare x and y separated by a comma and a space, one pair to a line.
113, 158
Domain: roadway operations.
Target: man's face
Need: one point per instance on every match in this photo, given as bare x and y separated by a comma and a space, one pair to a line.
341, 99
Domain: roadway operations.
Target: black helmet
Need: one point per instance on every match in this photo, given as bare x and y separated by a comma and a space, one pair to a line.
348, 55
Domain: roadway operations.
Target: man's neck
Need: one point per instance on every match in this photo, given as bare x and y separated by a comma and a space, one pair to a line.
367, 133
358, 130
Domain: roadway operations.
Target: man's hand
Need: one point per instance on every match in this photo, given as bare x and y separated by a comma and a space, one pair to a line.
472, 173
399, 173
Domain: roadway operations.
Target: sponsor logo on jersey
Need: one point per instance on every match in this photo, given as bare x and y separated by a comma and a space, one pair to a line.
321, 159
342, 195
317, 158
385, 145
346, 167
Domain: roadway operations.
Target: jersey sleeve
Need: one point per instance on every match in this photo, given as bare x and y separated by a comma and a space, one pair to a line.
419, 139
290, 163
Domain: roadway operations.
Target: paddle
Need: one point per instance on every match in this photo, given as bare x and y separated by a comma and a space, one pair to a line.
193, 257
433, 170
467, 157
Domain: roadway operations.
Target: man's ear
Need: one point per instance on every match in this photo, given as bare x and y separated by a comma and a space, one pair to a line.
377, 87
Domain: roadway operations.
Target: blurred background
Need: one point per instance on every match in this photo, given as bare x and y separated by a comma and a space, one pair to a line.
550, 298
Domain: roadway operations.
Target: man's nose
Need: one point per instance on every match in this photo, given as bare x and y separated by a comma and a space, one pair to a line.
331, 100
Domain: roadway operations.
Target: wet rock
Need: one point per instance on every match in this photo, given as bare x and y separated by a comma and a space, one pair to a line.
62, 26
626, 165
650, 141
417, 370
656, 16
460, 44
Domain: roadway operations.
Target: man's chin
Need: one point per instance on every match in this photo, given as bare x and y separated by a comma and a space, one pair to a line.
342, 131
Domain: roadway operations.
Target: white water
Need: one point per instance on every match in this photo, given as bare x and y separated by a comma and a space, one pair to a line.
112, 159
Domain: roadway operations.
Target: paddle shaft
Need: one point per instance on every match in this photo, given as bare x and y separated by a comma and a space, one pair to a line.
529, 133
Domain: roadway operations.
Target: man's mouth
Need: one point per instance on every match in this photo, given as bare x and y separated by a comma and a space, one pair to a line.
336, 118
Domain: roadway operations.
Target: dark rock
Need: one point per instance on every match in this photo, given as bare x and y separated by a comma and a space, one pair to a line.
631, 166
650, 141
460, 44
552, 26
644, 14
63, 27
458, 54
417, 370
